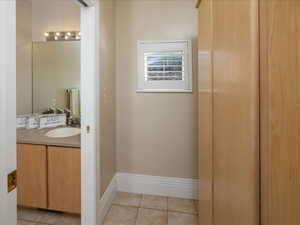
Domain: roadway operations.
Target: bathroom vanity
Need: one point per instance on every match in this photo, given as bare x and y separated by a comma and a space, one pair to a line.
48, 171
48, 159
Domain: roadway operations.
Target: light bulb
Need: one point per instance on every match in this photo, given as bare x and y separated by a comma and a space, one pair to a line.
56, 38
69, 34
57, 34
79, 34
66, 37
77, 37
46, 34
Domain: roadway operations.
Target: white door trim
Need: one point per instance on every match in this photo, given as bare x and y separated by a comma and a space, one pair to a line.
7, 109
90, 146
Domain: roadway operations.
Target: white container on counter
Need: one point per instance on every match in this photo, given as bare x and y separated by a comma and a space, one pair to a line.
52, 120
32, 122
21, 121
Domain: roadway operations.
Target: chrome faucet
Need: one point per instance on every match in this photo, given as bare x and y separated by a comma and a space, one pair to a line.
69, 115
50, 110
71, 120
60, 111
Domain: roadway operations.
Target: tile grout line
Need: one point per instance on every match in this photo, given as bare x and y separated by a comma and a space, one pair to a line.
138, 210
36, 222
167, 210
41, 221
140, 206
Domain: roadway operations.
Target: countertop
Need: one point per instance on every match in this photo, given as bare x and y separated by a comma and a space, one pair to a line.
37, 137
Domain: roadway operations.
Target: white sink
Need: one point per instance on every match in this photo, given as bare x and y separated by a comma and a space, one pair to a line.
63, 132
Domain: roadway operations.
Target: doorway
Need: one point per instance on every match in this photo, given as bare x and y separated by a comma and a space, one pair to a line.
90, 172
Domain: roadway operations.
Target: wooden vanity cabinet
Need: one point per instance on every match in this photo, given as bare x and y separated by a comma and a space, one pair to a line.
49, 177
32, 175
64, 179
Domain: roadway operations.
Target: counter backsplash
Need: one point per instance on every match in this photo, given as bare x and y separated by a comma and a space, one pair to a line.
41, 121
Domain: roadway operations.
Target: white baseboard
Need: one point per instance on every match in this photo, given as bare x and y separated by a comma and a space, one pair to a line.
107, 199
154, 185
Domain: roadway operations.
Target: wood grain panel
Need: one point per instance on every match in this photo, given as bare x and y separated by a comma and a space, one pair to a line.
280, 112
205, 113
198, 3
235, 112
32, 175
64, 179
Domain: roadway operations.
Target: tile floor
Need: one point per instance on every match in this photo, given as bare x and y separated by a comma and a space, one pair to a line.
135, 209
27, 216
127, 209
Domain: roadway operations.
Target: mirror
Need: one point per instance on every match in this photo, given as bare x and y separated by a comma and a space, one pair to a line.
56, 76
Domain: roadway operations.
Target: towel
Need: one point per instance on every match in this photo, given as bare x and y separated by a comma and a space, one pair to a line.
74, 100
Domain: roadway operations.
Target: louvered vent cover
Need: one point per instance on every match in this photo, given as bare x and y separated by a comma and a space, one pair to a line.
167, 65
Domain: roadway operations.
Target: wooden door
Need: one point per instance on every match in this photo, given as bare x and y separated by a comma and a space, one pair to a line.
229, 121
235, 112
280, 112
32, 175
64, 179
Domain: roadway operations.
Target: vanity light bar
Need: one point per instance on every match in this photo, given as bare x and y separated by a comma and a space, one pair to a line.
63, 36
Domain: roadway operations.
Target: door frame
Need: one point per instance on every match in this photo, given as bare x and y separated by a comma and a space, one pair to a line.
8, 211
90, 108
90, 114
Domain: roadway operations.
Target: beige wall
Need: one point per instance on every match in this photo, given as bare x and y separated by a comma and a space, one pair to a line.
156, 132
108, 93
54, 15
24, 71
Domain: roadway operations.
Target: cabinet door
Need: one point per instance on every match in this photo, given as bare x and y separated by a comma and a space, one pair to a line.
205, 113
235, 112
229, 112
280, 112
32, 175
64, 179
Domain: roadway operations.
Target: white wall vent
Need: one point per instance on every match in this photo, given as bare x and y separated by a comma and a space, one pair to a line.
164, 66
